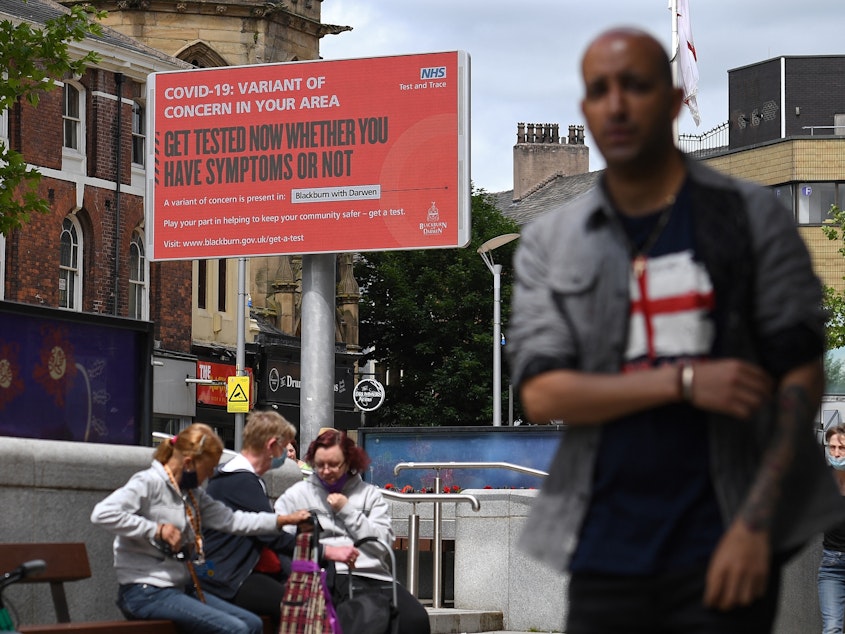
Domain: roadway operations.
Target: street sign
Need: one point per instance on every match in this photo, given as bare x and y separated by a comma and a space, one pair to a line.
237, 394
368, 395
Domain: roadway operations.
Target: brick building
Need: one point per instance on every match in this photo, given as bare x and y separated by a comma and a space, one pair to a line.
235, 33
83, 263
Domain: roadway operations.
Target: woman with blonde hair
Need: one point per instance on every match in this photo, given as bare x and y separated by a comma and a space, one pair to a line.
157, 518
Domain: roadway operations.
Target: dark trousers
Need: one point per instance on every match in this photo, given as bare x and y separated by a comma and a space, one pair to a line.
662, 604
261, 594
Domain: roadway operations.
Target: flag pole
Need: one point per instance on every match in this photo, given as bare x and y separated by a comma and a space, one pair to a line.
673, 56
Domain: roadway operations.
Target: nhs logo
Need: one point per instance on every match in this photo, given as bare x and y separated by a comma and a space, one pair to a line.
436, 72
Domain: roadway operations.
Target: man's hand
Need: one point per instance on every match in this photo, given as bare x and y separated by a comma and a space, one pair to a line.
731, 386
739, 569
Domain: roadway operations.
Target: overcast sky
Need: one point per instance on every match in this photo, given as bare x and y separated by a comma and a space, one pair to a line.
525, 55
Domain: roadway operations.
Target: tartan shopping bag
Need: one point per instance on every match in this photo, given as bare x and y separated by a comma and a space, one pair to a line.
307, 605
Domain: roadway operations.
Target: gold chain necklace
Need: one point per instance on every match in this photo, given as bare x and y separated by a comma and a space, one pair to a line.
639, 256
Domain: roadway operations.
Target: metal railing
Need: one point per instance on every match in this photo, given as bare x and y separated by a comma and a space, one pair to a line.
710, 142
837, 129
437, 499
413, 574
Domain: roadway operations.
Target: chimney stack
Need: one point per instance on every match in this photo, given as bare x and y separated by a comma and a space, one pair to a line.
540, 154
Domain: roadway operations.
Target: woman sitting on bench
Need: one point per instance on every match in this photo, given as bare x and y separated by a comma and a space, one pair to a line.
157, 517
350, 509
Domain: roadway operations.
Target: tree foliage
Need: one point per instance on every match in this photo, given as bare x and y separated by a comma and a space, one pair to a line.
429, 314
834, 301
33, 58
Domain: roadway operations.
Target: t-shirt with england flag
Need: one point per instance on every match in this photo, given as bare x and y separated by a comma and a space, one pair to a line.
653, 507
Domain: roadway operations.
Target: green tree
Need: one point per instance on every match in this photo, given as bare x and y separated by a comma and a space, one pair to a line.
32, 59
429, 314
834, 301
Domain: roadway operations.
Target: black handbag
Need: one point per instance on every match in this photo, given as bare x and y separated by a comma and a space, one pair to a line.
370, 611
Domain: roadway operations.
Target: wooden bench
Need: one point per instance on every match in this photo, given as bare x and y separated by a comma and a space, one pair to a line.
69, 562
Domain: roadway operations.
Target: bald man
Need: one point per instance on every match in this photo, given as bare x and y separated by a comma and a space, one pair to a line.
672, 319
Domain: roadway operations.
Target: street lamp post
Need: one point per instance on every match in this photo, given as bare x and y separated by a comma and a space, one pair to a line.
485, 251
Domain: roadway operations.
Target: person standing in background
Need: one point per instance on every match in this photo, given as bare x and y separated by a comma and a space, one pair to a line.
832, 566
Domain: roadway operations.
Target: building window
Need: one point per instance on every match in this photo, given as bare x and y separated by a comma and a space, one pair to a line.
814, 201
785, 194
221, 286
4, 126
72, 118
137, 277
70, 271
834, 371
138, 133
202, 283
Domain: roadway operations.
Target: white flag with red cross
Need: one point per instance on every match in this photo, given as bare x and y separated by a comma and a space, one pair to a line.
688, 60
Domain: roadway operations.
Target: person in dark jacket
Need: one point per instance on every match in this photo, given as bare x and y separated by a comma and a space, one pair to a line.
672, 319
831, 579
251, 571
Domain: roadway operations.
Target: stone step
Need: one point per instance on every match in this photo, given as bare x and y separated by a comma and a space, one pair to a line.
455, 621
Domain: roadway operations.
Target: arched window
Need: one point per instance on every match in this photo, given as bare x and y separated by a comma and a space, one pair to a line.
137, 277
201, 55
70, 265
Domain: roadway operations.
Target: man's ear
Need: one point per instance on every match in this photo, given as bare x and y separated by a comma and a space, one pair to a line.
677, 102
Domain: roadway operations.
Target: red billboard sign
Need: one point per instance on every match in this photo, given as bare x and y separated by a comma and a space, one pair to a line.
309, 157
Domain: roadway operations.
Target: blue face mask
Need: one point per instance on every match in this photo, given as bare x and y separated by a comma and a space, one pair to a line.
275, 463
836, 463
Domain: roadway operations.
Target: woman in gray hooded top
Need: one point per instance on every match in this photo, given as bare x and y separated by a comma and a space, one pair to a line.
157, 518
349, 509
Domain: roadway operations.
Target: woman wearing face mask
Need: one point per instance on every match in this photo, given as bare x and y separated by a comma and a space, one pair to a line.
832, 568
349, 509
157, 518
250, 571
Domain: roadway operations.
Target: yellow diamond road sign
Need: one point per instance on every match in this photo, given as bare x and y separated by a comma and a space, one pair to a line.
237, 394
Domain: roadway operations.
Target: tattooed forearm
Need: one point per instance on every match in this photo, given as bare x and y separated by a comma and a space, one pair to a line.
795, 413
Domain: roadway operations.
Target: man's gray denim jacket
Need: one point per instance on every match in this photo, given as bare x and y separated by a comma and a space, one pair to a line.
570, 310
